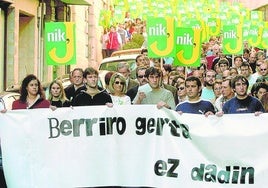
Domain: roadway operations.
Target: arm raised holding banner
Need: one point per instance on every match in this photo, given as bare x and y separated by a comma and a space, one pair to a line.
242, 102
152, 93
194, 104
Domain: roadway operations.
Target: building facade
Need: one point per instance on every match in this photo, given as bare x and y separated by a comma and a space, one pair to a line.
22, 36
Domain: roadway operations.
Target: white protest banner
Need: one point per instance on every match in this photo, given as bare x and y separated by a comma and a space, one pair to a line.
132, 146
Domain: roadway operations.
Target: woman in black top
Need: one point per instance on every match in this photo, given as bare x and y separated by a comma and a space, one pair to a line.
57, 95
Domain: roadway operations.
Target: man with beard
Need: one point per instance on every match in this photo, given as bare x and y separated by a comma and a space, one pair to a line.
207, 91
92, 95
242, 102
153, 93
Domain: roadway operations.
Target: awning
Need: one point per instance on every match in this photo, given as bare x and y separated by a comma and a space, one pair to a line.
76, 2
6, 2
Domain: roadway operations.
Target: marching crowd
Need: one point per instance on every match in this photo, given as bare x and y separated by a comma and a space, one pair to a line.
115, 37
220, 85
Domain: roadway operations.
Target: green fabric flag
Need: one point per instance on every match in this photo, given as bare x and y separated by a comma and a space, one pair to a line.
60, 43
188, 47
160, 37
232, 39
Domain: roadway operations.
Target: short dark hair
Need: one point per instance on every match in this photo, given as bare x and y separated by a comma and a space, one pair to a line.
144, 50
223, 61
77, 69
261, 85
167, 67
193, 78
245, 64
152, 71
138, 69
210, 70
90, 70
236, 57
229, 79
138, 56
245, 50
237, 78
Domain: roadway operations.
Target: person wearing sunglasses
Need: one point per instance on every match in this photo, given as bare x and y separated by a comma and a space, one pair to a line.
181, 92
140, 75
118, 88
257, 74
263, 68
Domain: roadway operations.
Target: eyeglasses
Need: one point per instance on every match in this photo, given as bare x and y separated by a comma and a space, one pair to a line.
263, 69
180, 88
141, 76
117, 82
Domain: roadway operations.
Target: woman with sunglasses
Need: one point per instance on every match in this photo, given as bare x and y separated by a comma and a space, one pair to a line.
181, 91
118, 89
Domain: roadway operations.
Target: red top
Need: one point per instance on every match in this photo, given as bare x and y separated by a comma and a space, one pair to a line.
113, 43
41, 103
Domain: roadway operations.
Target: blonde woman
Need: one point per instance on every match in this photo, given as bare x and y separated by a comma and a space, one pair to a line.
57, 95
118, 89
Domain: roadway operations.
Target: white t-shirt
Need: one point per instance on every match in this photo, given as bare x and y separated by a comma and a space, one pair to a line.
120, 100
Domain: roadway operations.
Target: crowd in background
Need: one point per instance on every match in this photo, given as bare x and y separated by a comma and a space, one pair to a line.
203, 90
115, 37
206, 89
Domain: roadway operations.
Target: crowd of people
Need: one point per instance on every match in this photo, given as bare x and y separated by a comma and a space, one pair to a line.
220, 85
116, 36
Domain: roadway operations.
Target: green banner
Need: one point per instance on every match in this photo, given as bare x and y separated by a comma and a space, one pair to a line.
232, 39
60, 43
245, 29
188, 47
214, 26
255, 34
264, 43
160, 37
256, 15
